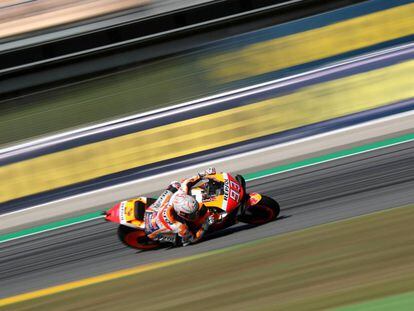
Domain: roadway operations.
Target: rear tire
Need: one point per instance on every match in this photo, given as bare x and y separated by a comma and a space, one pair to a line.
136, 238
266, 210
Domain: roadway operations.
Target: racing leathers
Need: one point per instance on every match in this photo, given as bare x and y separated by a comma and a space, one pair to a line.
162, 222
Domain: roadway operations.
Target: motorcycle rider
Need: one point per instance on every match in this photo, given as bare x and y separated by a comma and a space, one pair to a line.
169, 215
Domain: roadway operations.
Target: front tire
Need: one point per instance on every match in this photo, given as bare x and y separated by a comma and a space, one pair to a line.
266, 210
136, 238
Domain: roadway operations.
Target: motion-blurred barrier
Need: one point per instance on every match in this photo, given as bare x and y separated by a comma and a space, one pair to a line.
235, 62
280, 53
17, 17
160, 21
309, 105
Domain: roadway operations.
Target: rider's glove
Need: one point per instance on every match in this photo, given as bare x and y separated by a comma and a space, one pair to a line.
174, 186
209, 171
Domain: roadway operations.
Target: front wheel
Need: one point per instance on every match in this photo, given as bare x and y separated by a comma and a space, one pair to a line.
136, 238
264, 211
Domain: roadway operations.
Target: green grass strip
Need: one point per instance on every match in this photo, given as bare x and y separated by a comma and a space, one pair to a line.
249, 177
401, 302
50, 226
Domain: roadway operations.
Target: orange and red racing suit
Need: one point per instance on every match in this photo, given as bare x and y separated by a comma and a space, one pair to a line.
161, 221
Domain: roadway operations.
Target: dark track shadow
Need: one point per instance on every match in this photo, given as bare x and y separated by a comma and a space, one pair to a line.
283, 217
209, 236
233, 229
222, 233
227, 231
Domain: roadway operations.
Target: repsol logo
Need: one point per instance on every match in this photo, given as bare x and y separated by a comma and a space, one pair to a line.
226, 189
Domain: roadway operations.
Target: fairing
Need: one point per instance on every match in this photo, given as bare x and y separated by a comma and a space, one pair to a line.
231, 197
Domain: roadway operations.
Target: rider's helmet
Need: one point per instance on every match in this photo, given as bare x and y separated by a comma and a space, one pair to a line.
185, 206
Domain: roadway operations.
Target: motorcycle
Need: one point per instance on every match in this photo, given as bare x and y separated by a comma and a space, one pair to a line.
224, 199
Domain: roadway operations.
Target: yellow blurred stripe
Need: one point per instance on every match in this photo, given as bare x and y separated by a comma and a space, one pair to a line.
102, 278
312, 45
306, 106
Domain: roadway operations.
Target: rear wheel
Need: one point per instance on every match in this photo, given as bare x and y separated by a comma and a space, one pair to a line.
136, 238
266, 210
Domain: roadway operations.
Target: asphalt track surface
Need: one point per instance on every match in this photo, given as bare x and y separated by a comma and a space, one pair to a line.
314, 195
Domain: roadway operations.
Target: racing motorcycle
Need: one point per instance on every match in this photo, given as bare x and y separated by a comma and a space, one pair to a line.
223, 199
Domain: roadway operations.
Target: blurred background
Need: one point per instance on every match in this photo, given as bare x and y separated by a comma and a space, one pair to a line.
57, 75
98, 93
